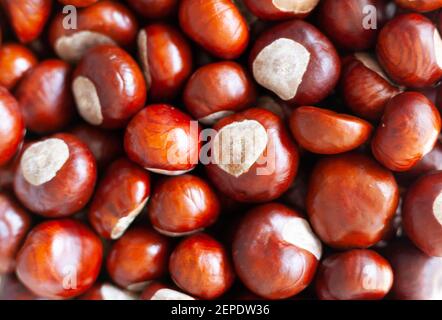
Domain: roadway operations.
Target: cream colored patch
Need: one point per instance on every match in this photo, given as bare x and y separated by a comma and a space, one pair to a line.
87, 100
168, 172
136, 287
238, 146
143, 56
281, 66
42, 160
437, 48
299, 233
168, 294
295, 6
109, 292
126, 221
72, 48
177, 234
215, 117
437, 208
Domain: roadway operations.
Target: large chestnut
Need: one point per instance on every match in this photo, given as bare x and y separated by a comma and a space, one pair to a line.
15, 61
275, 251
166, 59
201, 266
409, 48
109, 87
295, 61
280, 9
351, 201
163, 140
120, 197
60, 259
408, 131
217, 90
252, 156
139, 256
216, 25
56, 176
354, 275
327, 132
182, 205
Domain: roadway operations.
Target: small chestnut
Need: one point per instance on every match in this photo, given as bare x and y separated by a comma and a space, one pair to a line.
139, 256
281, 9
108, 86
295, 61
154, 9
275, 251
159, 291
354, 275
163, 140
217, 90
120, 197
216, 25
56, 176
15, 61
60, 259
408, 131
182, 205
327, 132
351, 201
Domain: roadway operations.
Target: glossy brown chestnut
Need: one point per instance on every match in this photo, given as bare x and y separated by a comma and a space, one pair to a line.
354, 275
139, 256
217, 90
352, 24
27, 17
105, 145
408, 131
78, 3
365, 87
105, 22
201, 266
351, 201
109, 87
14, 225
60, 259
120, 197
420, 5
253, 158
422, 214
327, 132
45, 98
154, 9
216, 25
166, 59
295, 61
416, 275
409, 48
12, 126
275, 252
280, 9
183, 205
159, 291
163, 140
15, 61
56, 176
106, 291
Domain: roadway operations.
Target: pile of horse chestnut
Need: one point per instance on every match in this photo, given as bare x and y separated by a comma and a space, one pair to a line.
220, 149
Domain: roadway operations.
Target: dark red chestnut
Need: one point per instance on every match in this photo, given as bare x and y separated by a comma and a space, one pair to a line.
15, 61
106, 291
280, 9
201, 266
163, 140
216, 25
327, 132
354, 275
14, 225
183, 205
60, 259
409, 48
408, 131
296, 62
12, 126
252, 156
158, 291
45, 98
154, 9
139, 256
56, 176
420, 5
351, 201
109, 87
217, 90
275, 252
166, 59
